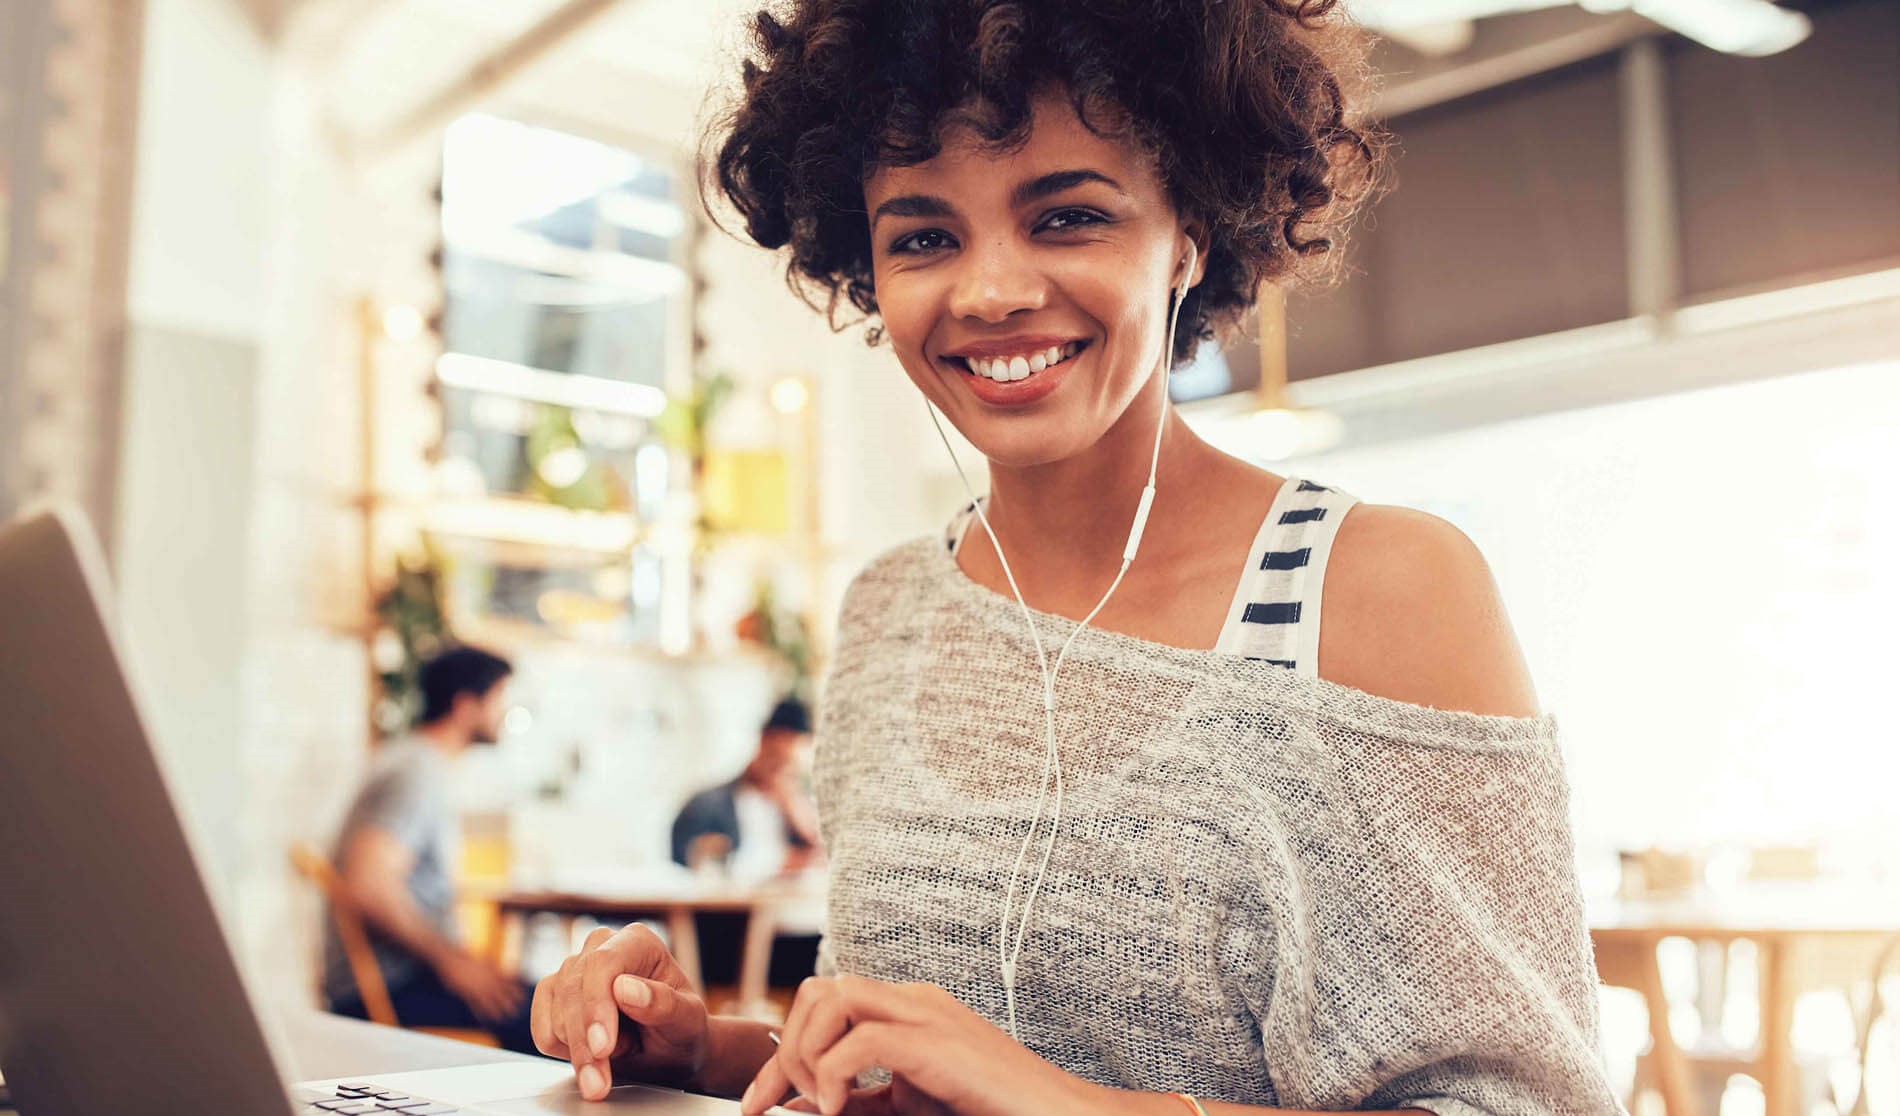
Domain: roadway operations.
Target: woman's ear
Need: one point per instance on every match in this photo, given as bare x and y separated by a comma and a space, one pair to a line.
1194, 233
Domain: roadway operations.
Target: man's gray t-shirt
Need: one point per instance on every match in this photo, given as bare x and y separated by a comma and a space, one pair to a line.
406, 796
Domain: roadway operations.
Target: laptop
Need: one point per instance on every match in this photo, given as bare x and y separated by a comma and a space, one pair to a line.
119, 991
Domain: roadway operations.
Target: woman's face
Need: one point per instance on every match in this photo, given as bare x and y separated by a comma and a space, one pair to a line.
1026, 294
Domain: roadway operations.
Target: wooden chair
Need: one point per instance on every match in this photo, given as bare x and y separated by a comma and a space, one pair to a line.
315, 867
1767, 864
1837, 969
708, 852
1877, 1009
1630, 962
1703, 1067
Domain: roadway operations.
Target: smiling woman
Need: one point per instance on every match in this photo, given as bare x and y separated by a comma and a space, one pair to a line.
1114, 826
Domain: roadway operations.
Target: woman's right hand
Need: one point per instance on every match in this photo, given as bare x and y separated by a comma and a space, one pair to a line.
622, 1004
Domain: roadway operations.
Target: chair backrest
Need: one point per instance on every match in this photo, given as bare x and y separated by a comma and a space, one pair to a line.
1877, 1008
1784, 864
315, 867
1653, 873
1626, 961
708, 850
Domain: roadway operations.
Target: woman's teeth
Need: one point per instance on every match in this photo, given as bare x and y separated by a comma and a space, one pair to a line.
1006, 369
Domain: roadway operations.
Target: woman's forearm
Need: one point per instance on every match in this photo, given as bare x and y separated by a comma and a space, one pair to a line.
735, 1049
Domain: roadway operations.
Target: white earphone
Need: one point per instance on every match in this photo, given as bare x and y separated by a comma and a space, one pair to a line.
1008, 954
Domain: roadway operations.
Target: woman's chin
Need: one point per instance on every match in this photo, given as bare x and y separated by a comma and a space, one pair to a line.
1023, 449
1024, 439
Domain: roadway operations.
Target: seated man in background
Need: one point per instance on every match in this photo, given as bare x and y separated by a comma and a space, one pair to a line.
395, 855
762, 825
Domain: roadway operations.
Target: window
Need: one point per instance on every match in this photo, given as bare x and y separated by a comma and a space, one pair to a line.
562, 292
564, 318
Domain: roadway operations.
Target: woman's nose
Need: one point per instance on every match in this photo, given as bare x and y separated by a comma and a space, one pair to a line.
995, 281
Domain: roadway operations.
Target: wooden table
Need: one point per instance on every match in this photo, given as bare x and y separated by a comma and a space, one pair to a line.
1806, 936
675, 910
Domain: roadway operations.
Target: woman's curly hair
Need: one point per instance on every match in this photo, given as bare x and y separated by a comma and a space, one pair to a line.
1242, 104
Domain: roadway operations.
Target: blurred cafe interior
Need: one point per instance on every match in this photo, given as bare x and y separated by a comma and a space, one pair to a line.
367, 330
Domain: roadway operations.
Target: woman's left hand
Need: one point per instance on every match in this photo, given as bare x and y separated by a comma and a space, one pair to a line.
943, 1056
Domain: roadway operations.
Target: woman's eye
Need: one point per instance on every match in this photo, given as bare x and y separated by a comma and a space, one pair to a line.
923, 240
1063, 220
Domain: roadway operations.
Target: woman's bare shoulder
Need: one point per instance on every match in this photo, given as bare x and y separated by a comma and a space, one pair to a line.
1411, 612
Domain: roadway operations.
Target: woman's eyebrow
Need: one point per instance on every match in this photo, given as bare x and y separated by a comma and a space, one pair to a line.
912, 205
1036, 189
1046, 185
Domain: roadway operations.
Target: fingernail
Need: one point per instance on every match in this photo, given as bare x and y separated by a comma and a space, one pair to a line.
746, 1100
632, 991
597, 1040
591, 1081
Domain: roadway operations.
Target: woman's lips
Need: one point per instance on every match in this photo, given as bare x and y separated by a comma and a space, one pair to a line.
1005, 363
1019, 392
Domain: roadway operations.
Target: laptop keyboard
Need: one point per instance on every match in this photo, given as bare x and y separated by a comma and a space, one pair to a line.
364, 1100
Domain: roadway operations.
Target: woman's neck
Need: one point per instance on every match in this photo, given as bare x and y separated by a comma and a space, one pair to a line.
1063, 525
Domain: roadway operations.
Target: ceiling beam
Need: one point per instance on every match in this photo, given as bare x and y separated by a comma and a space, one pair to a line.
1434, 40
319, 31
1505, 49
487, 75
266, 17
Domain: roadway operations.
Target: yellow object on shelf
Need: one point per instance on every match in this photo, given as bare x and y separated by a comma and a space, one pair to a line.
486, 856
531, 522
566, 608
747, 491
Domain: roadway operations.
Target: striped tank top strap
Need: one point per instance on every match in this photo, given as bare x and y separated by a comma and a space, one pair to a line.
959, 527
1275, 614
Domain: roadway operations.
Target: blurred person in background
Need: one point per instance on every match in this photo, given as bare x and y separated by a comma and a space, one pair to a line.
759, 826
395, 854
764, 819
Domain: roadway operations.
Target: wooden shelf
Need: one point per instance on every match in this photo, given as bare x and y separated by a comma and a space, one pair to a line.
532, 523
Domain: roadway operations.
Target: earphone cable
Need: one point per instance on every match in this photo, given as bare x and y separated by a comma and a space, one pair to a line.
1008, 953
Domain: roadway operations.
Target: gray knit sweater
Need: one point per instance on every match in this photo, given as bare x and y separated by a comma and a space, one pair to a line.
1266, 888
